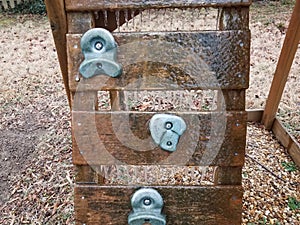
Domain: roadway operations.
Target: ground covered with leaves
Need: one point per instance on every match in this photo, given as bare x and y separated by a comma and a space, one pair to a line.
36, 175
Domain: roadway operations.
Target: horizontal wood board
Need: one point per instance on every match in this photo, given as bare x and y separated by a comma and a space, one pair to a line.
170, 60
87, 5
182, 205
109, 138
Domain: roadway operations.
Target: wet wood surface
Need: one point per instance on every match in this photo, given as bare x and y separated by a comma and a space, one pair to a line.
108, 138
87, 5
182, 205
228, 175
170, 60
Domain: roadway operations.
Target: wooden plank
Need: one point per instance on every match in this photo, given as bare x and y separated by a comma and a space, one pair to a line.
233, 99
108, 138
285, 61
117, 100
89, 5
80, 22
86, 175
12, 3
254, 115
234, 18
228, 176
287, 140
4, 4
85, 101
160, 61
183, 205
58, 22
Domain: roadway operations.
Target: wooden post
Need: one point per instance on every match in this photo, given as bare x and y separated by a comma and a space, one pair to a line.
287, 55
58, 21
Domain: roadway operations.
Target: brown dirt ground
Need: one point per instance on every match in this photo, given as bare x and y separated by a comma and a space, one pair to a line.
35, 171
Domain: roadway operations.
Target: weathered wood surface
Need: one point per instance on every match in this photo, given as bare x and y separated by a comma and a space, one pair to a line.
285, 61
228, 176
88, 5
80, 22
234, 18
58, 21
171, 60
107, 138
86, 175
233, 99
254, 115
287, 140
85, 101
182, 205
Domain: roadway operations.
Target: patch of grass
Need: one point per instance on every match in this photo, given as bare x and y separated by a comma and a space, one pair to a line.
293, 203
29, 7
289, 166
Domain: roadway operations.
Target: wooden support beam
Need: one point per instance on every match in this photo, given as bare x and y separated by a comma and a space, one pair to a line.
58, 21
287, 55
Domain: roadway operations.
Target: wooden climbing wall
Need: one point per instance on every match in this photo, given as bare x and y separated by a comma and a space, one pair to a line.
113, 152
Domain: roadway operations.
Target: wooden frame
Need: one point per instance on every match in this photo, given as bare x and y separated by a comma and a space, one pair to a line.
220, 203
286, 58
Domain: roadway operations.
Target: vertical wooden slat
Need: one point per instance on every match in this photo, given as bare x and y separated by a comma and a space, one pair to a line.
4, 4
228, 176
80, 22
234, 18
286, 58
117, 100
58, 21
12, 3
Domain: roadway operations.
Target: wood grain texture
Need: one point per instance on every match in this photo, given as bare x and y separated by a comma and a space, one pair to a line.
171, 60
228, 176
88, 5
234, 18
58, 21
182, 205
107, 138
233, 99
82, 101
285, 61
80, 22
254, 115
287, 140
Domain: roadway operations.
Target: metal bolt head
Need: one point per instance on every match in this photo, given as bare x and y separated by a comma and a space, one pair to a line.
169, 143
147, 201
168, 125
99, 65
98, 46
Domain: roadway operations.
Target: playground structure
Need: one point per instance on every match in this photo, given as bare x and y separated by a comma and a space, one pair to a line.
96, 200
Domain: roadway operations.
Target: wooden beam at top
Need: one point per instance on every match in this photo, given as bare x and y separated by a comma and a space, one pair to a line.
286, 58
58, 21
79, 5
